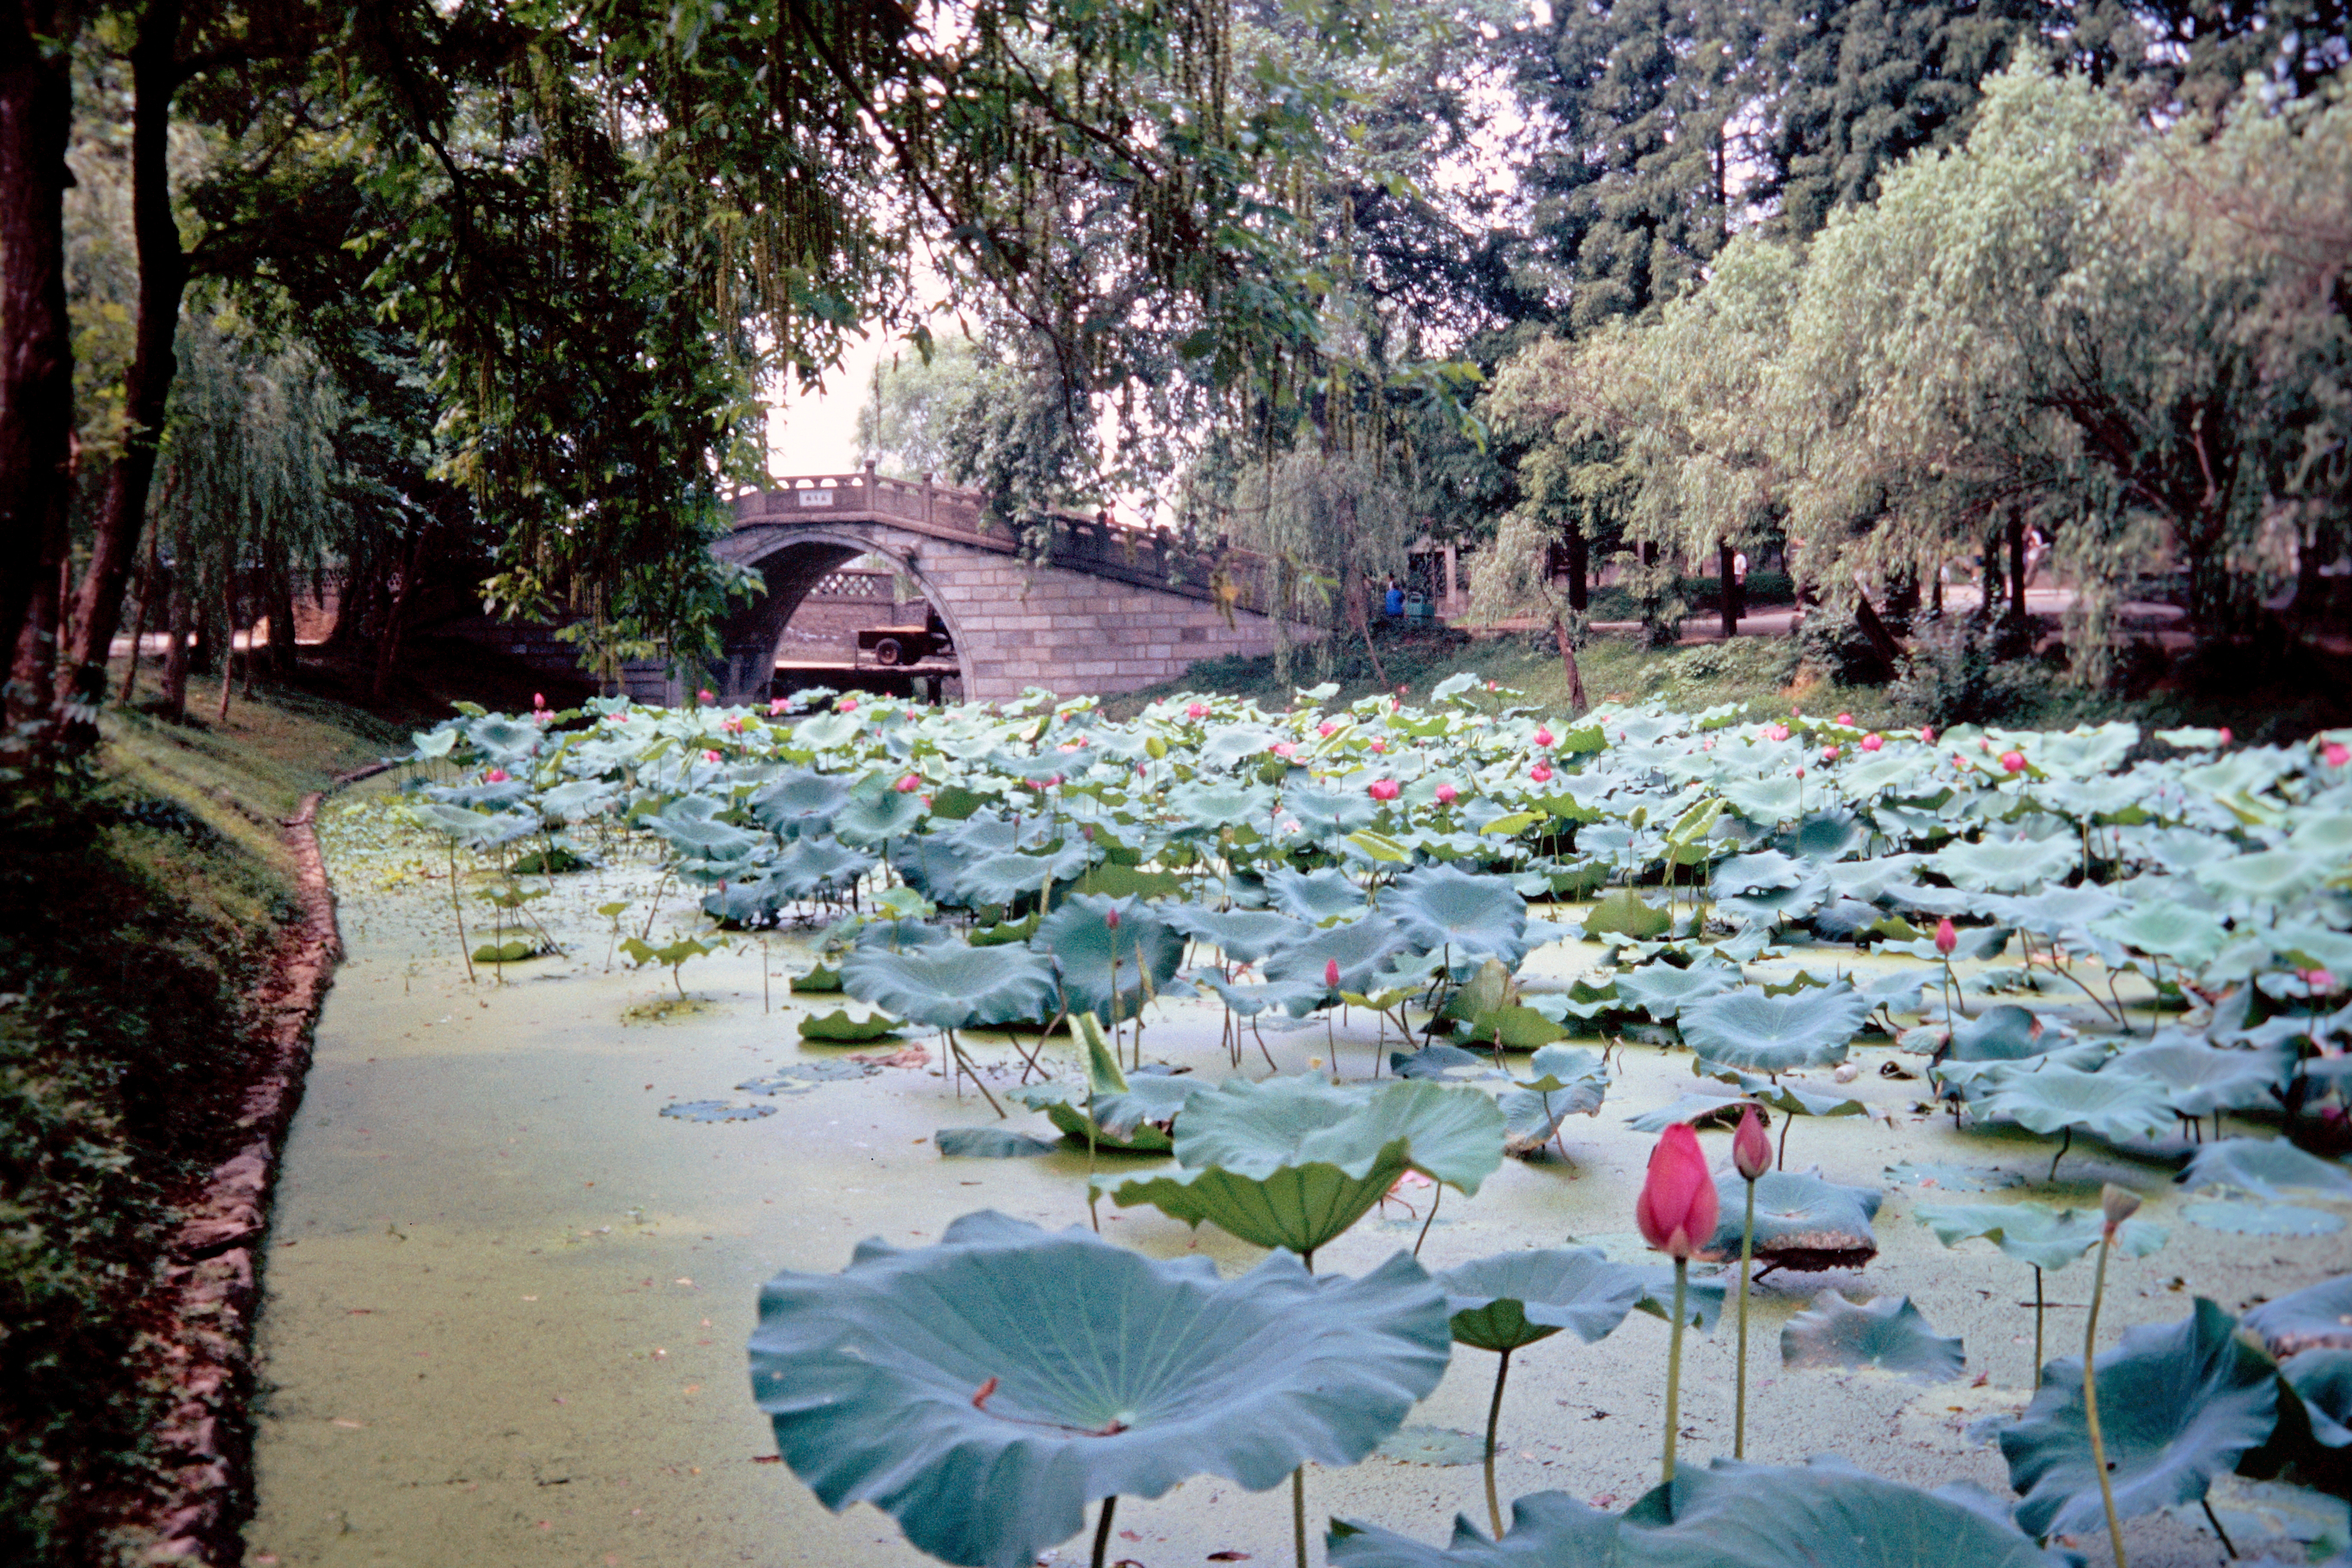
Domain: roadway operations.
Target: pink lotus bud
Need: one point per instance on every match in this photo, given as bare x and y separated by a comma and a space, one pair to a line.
907, 783
1829, 754
1801, 773
1054, 782
495, 775
1873, 742
1283, 749
1380, 747
710, 756
1196, 710
1751, 1150
1777, 732
706, 695
1110, 917
733, 726
1677, 1209
1541, 772
776, 706
2225, 734
2337, 754
1984, 745
1327, 728
1331, 973
1446, 794
846, 705
1846, 718
1543, 736
1927, 733
2012, 762
2322, 982
1947, 936
539, 700
1383, 789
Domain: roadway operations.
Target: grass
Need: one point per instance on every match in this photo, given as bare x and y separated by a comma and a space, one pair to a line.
142, 893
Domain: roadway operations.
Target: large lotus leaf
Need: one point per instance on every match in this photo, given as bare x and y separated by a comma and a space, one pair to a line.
1801, 1221
1101, 967
815, 865
707, 840
2003, 1034
1703, 1296
1887, 1335
2322, 1379
1701, 1108
1437, 907
1625, 912
2266, 1167
1870, 880
1297, 998
896, 935
2166, 930
984, 1391
2178, 1405
1064, 1105
2309, 1318
2049, 1098
1001, 879
577, 801
1514, 1298
1329, 815
2270, 876
983, 834
798, 803
1445, 1064
1824, 836
1763, 871
1825, 1514
1244, 936
951, 985
1210, 806
2045, 1237
1757, 1032
1569, 1070
1453, 1135
1313, 896
876, 821
1766, 802
2056, 912
932, 867
1663, 991
2203, 1078
1360, 948
2006, 865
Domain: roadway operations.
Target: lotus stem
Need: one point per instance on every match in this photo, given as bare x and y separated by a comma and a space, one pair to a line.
457, 903
2037, 1328
1674, 1368
1494, 1418
1435, 1193
2065, 1141
2215, 1520
1102, 1529
1298, 1513
2091, 1400
1739, 1395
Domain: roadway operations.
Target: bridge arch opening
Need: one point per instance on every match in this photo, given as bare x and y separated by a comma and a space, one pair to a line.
792, 570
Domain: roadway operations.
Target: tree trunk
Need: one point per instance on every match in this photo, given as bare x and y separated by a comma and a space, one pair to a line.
36, 395
388, 640
148, 582
1881, 640
147, 382
1730, 590
284, 658
1576, 702
228, 627
2017, 570
1579, 567
33, 665
179, 623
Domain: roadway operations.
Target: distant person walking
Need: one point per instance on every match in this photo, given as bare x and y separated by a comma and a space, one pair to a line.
1394, 602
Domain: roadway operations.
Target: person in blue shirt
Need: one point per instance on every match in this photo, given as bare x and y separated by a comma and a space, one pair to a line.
1395, 602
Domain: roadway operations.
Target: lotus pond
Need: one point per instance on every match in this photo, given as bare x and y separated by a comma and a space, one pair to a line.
1240, 1115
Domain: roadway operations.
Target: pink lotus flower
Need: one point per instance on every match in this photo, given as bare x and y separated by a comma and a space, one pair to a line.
907, 783
1331, 973
1054, 782
1873, 742
732, 725
1829, 754
1326, 728
1380, 747
706, 695
776, 706
846, 705
710, 756
1446, 794
1196, 710
1283, 749
1777, 732
1541, 772
1845, 718
1543, 736
2321, 980
2012, 762
1751, 1150
2225, 734
1677, 1209
1110, 917
1947, 936
2337, 754
497, 775
1927, 733
539, 700
1383, 789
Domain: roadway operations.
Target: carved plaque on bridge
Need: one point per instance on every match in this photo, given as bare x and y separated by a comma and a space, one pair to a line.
816, 498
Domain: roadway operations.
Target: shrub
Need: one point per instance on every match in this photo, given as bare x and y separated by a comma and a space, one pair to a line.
1958, 676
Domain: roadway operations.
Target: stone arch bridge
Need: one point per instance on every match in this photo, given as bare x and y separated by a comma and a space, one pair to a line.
1111, 610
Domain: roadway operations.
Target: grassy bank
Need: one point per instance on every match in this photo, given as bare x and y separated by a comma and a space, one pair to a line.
140, 896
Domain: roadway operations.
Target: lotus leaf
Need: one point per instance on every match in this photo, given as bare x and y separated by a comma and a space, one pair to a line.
988, 1143
1730, 1515
2044, 1237
951, 985
1104, 968
984, 1391
876, 821
2322, 1379
2204, 1079
1801, 1221
2263, 1219
715, 1110
2003, 1034
1446, 1063
2178, 1405
1824, 836
1514, 1298
813, 865
2006, 865
1296, 998
1625, 912
1955, 1178
1328, 815
932, 867
2270, 876
817, 980
1887, 1335
1701, 1108
2318, 1316
1437, 907
2318, 1526
1664, 991
2166, 930
1243, 936
1766, 802
2052, 1099
895, 934
839, 1028
1006, 877
799, 803
1702, 1295
1756, 1032
1360, 948
1765, 870
2266, 1167
1313, 896
1570, 1069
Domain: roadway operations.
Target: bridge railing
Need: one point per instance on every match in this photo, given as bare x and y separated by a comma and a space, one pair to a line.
1148, 558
